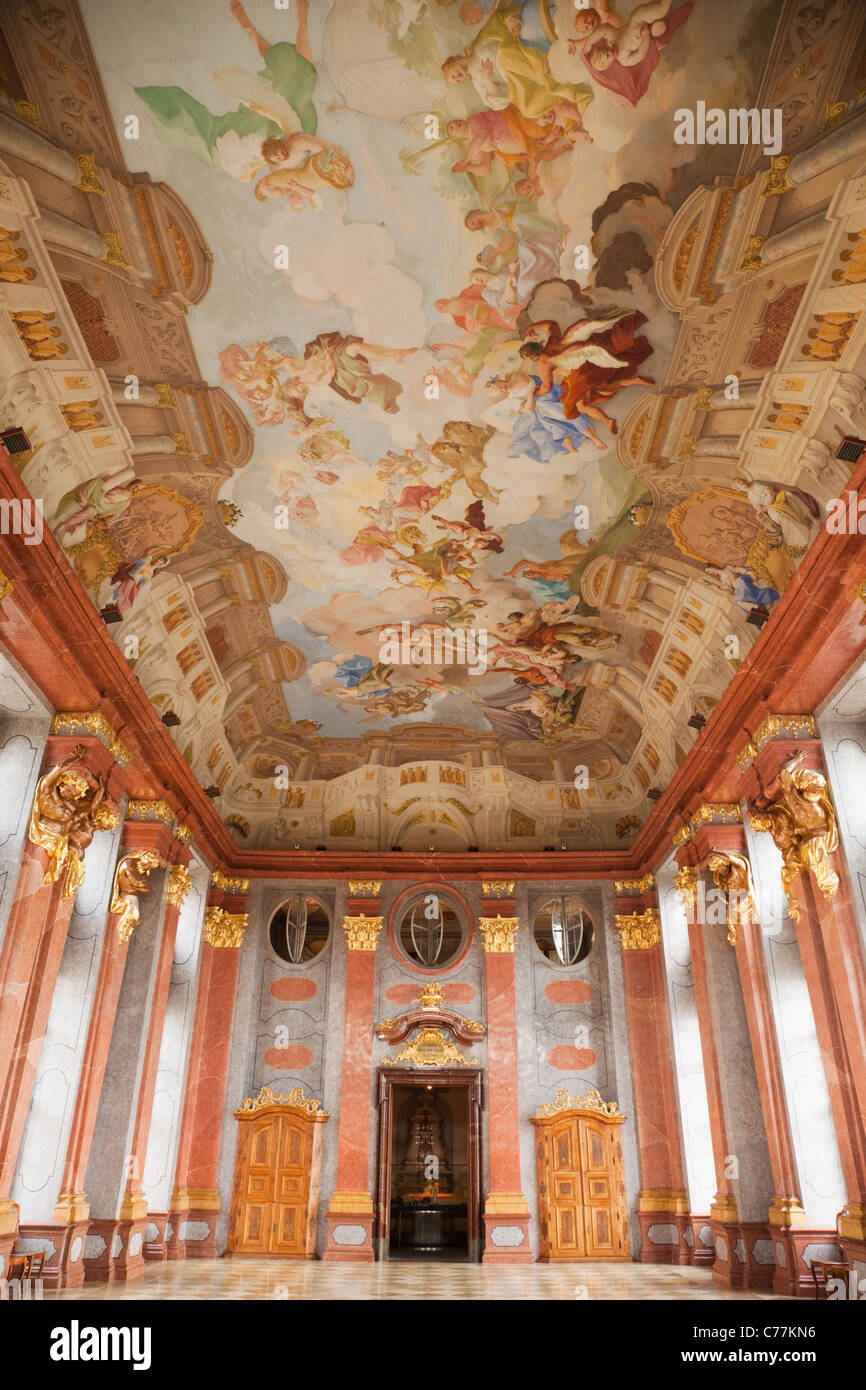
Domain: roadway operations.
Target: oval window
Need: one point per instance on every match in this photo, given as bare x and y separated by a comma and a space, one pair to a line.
431, 932
563, 931
299, 929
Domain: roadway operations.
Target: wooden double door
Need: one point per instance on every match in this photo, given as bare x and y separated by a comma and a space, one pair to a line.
275, 1194
582, 1209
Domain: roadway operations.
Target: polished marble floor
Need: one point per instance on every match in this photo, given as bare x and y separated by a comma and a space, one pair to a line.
287, 1279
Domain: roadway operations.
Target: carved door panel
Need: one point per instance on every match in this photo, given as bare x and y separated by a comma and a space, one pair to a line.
565, 1191
598, 1188
291, 1188
276, 1189
256, 1184
582, 1209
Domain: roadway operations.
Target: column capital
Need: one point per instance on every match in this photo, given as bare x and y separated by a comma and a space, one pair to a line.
224, 929
498, 934
179, 884
362, 932
639, 931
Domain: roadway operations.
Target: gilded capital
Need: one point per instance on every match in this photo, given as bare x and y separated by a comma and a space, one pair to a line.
498, 934
179, 884
777, 178
365, 887
224, 929
362, 932
639, 931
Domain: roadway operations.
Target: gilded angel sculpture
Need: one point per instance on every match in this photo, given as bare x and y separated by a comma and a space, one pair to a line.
67, 810
130, 879
803, 826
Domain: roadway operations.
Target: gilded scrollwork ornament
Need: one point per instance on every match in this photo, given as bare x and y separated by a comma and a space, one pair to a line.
803, 826
179, 884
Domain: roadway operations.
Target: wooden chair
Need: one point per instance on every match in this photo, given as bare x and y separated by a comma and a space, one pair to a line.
17, 1266
822, 1270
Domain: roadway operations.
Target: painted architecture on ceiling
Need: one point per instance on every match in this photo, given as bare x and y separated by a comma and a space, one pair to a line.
449, 331
436, 412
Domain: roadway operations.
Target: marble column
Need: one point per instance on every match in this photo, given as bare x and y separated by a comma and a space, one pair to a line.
506, 1211
738, 1215
29, 967
662, 1201
792, 171
195, 1201
351, 1212
832, 953
723, 849
114, 1171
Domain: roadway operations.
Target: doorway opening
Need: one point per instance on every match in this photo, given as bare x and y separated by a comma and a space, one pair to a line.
429, 1166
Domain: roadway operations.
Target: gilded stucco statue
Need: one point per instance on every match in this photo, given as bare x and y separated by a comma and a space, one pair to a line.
803, 826
67, 810
130, 879
732, 874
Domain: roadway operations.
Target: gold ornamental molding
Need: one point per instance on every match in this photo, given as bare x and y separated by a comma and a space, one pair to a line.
6, 586
852, 1221
224, 929
724, 1207
634, 887
365, 887
430, 1010
497, 887
184, 833
639, 931
229, 885
294, 1100
506, 1204
72, 1206
88, 178
681, 836
716, 813
179, 884
431, 1049
362, 932
352, 1204
663, 1199
790, 726
592, 1101
194, 1199
133, 1207
786, 1211
498, 934
149, 811
91, 722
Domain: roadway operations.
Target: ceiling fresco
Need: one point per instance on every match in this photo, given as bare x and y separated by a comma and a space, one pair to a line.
434, 229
